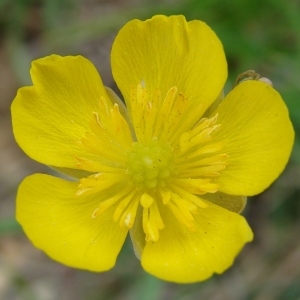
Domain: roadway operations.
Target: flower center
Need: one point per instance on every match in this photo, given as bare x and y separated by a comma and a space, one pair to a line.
150, 165
171, 165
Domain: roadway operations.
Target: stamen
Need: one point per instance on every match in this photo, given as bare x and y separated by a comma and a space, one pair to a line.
152, 222
154, 118
95, 166
104, 206
165, 195
98, 182
184, 205
128, 217
122, 205
210, 171
139, 100
188, 196
166, 113
182, 215
207, 149
108, 140
146, 200
199, 135
111, 132
111, 201
164, 171
196, 186
219, 159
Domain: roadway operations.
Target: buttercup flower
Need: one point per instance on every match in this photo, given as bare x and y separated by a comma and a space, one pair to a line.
173, 167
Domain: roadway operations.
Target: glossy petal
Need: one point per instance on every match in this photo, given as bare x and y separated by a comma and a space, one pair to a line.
61, 224
50, 117
184, 256
258, 137
164, 52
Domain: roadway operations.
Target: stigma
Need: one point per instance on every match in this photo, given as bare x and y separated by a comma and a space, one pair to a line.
151, 165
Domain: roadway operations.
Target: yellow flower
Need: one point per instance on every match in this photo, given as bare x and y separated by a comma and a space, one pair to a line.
173, 167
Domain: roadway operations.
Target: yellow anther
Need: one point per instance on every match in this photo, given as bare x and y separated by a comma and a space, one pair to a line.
146, 200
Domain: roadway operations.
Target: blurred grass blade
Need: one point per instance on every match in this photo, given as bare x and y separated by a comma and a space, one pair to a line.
8, 226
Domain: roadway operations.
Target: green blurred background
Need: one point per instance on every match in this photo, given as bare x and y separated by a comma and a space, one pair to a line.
259, 35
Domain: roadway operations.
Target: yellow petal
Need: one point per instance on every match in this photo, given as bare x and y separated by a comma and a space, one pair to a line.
166, 52
116, 99
50, 117
185, 256
61, 224
257, 135
232, 203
